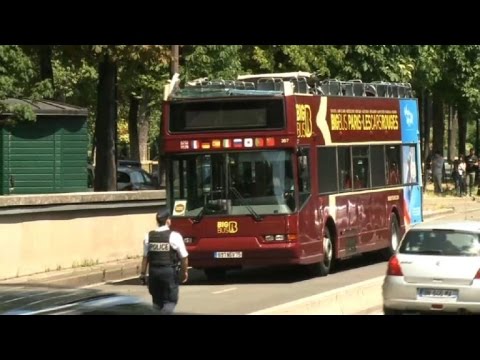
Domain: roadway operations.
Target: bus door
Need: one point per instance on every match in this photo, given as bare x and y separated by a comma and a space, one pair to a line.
347, 204
310, 221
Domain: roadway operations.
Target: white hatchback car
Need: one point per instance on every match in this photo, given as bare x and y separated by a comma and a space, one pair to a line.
436, 268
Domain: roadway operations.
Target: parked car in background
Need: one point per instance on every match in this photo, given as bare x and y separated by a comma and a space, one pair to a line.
436, 268
133, 178
130, 163
130, 176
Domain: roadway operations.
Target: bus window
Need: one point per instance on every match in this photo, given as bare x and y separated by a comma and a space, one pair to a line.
392, 165
178, 172
344, 168
304, 174
409, 164
377, 163
327, 174
361, 170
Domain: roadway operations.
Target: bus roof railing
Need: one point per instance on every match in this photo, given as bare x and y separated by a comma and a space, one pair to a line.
292, 82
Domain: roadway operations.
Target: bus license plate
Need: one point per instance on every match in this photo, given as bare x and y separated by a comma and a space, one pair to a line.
228, 255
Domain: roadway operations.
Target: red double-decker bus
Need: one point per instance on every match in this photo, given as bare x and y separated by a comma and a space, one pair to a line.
284, 168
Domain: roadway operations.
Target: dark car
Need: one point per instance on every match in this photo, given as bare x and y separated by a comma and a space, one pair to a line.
130, 163
133, 178
38, 300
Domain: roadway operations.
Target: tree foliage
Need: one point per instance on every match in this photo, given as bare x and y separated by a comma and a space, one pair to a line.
448, 73
19, 78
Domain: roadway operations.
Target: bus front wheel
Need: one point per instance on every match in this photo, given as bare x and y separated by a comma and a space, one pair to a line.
324, 267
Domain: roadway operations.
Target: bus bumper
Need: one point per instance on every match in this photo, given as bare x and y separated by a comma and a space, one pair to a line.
239, 252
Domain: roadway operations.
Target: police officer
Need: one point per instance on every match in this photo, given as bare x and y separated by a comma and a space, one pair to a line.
162, 251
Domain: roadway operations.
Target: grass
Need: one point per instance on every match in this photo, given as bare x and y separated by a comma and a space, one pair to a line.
85, 263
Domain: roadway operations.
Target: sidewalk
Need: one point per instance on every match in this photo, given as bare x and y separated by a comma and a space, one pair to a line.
447, 202
83, 276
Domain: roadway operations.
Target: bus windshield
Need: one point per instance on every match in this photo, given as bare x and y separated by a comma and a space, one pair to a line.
235, 183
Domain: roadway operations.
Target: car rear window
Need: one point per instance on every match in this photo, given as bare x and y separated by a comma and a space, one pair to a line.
440, 242
140, 177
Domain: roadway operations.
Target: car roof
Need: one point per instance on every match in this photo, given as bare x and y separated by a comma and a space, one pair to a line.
457, 225
36, 299
129, 169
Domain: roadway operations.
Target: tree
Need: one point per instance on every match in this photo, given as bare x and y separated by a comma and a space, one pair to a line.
19, 79
105, 126
212, 61
142, 76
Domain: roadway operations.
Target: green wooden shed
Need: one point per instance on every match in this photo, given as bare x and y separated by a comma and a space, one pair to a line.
45, 156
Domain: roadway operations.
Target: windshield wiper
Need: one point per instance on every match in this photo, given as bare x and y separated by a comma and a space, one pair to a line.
199, 216
244, 203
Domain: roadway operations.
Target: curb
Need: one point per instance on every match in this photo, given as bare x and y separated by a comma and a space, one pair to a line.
81, 277
429, 214
350, 300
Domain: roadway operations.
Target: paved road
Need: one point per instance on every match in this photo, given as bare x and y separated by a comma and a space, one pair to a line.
256, 289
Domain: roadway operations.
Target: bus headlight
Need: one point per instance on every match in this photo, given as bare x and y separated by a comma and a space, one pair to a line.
187, 240
281, 237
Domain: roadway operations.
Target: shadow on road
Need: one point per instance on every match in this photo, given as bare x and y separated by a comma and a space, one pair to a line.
268, 275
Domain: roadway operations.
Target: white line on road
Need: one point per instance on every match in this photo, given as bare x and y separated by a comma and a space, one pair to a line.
111, 282
224, 291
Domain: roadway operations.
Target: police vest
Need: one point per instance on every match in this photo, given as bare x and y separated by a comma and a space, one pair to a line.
160, 253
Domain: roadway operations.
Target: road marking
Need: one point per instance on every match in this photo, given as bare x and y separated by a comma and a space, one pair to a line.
110, 282
224, 291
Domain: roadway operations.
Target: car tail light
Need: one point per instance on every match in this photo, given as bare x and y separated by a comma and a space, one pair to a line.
394, 268
477, 276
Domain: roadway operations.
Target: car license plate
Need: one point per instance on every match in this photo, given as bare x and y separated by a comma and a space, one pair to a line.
228, 255
438, 293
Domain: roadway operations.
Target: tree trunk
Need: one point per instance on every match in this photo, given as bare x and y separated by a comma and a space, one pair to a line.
454, 133
427, 121
143, 127
105, 127
462, 131
438, 125
138, 126
162, 166
133, 129
46, 69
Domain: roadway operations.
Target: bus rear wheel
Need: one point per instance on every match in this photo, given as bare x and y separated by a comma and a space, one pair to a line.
394, 237
215, 274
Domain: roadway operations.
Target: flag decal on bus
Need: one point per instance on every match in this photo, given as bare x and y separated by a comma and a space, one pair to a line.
237, 143
227, 143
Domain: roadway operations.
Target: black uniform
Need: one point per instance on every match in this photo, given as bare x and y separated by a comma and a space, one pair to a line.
163, 279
